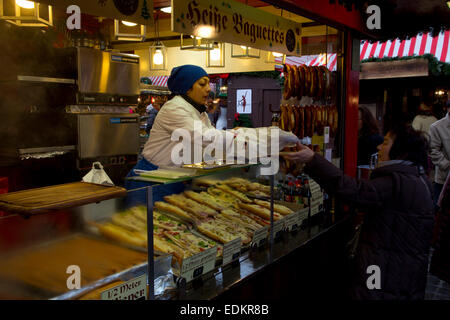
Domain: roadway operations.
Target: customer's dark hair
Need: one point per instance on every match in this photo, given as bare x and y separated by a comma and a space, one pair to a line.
409, 144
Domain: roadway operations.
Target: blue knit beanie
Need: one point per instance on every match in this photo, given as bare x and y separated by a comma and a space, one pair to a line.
183, 77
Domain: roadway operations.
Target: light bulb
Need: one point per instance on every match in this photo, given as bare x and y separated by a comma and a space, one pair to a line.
25, 4
277, 54
205, 31
198, 38
215, 54
158, 57
244, 47
129, 24
167, 9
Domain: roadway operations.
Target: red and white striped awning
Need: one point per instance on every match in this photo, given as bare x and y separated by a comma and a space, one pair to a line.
159, 80
329, 60
439, 46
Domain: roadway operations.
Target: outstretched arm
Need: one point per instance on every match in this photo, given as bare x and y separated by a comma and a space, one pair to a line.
334, 181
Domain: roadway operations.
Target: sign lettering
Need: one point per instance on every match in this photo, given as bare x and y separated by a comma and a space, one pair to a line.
198, 264
292, 221
134, 289
231, 250
260, 236
278, 227
235, 22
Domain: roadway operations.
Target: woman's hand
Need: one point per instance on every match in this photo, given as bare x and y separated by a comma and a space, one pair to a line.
303, 155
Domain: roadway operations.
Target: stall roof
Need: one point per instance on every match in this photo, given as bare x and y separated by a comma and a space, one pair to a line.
420, 44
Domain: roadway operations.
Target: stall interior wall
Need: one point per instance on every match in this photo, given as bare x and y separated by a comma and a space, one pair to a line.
265, 92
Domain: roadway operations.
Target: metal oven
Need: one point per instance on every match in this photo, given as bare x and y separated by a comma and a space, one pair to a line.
64, 109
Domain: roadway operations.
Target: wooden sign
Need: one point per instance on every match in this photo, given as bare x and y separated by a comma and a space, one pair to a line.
235, 22
394, 69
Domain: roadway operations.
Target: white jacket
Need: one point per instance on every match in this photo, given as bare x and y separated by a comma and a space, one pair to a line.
179, 114
440, 148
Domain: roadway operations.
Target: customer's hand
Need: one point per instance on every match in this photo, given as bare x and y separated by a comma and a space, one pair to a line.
303, 155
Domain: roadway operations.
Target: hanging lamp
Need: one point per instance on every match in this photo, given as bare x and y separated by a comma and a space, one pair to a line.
128, 31
157, 51
215, 58
244, 52
26, 13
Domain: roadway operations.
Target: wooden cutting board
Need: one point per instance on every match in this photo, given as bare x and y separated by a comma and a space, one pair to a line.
63, 196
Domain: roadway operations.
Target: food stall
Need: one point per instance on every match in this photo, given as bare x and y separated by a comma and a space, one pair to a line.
232, 232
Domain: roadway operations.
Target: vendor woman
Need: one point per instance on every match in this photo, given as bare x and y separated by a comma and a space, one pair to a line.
190, 85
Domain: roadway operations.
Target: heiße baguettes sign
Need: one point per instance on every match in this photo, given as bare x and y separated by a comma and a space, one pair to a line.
237, 23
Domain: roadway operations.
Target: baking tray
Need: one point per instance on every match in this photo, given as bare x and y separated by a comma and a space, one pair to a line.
162, 267
206, 166
34, 291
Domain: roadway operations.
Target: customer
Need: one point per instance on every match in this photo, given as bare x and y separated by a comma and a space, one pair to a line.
440, 261
368, 136
424, 118
397, 227
440, 151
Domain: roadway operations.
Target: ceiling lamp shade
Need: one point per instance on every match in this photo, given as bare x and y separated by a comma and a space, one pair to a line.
26, 13
244, 52
129, 32
216, 56
195, 43
128, 23
158, 56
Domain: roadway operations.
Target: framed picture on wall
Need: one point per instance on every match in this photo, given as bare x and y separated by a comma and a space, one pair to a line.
244, 101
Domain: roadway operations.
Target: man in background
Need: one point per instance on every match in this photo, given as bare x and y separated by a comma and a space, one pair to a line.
424, 118
440, 151
152, 111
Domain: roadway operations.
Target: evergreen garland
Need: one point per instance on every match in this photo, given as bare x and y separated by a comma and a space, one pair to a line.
261, 74
436, 67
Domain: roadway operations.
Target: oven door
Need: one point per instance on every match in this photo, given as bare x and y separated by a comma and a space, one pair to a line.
101, 135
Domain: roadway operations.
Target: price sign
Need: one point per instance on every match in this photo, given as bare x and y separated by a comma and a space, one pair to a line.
303, 214
198, 264
292, 221
278, 227
260, 236
315, 206
317, 196
134, 289
231, 250
326, 135
328, 154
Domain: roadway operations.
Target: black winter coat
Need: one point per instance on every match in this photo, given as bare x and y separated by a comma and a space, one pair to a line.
440, 262
397, 226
